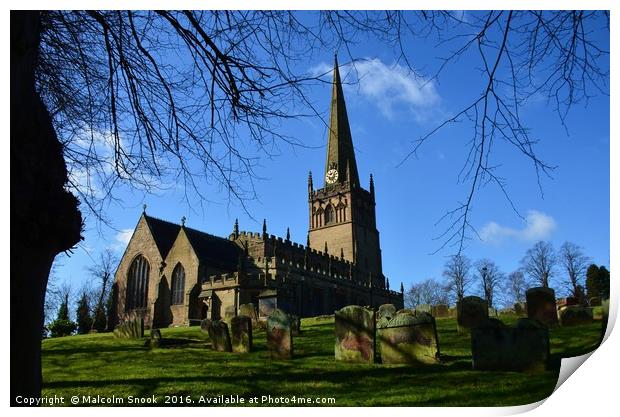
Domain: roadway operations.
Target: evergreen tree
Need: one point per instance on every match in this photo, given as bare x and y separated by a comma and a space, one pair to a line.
63, 310
84, 321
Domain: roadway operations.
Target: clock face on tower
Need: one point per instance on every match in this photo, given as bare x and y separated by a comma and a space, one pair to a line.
331, 176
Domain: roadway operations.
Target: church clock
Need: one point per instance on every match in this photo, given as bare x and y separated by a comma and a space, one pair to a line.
331, 176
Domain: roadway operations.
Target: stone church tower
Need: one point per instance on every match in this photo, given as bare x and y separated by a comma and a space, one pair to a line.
342, 213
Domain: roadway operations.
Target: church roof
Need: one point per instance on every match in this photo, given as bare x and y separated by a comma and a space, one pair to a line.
213, 249
164, 233
340, 153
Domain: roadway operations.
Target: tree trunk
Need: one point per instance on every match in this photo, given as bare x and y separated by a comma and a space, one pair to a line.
45, 219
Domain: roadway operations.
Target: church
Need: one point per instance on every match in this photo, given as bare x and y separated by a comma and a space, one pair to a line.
173, 275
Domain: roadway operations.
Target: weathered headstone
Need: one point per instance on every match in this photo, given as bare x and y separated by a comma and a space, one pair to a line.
279, 335
155, 339
130, 329
470, 312
249, 310
423, 308
295, 325
229, 313
541, 305
220, 338
496, 347
204, 325
355, 334
241, 334
575, 315
386, 310
409, 339
440, 311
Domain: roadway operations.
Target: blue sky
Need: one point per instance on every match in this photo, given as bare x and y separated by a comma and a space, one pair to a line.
388, 109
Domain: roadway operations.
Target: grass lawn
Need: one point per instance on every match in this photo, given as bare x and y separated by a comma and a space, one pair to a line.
100, 364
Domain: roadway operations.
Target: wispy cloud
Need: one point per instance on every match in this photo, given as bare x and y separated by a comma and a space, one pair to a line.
121, 240
538, 226
393, 88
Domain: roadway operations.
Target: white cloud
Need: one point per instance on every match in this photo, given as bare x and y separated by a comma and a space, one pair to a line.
122, 239
393, 88
538, 226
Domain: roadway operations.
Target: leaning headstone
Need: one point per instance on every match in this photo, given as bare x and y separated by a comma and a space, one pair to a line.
229, 313
249, 310
279, 335
241, 334
496, 347
220, 338
470, 312
575, 315
355, 334
204, 325
440, 311
541, 305
409, 339
423, 308
386, 310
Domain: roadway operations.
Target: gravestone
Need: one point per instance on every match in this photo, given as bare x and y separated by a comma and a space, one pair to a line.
565, 302
220, 338
423, 308
408, 339
229, 313
241, 334
279, 335
386, 310
496, 347
575, 315
541, 305
155, 339
355, 334
295, 324
440, 311
249, 310
204, 325
130, 329
470, 312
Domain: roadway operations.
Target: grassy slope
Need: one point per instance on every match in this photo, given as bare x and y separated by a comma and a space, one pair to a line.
99, 364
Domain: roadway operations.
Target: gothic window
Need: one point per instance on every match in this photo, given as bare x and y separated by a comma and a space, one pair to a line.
330, 216
137, 283
178, 284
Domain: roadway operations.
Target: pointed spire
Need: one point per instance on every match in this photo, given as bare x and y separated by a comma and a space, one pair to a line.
340, 153
308, 241
372, 186
143, 208
236, 228
264, 227
341, 253
310, 186
325, 247
402, 288
183, 221
387, 283
288, 234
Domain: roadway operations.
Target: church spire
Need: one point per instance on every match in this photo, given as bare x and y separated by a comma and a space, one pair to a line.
340, 153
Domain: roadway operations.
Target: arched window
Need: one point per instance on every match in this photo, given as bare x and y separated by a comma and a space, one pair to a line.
329, 214
137, 283
178, 284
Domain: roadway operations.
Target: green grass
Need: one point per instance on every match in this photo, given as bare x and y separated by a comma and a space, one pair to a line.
100, 364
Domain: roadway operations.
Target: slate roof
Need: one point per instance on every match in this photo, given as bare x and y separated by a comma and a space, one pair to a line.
214, 250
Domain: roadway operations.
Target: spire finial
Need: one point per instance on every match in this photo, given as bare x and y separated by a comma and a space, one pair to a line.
402, 288
144, 208
236, 228
341, 253
308, 241
183, 221
264, 226
326, 247
387, 283
372, 185
310, 186
288, 233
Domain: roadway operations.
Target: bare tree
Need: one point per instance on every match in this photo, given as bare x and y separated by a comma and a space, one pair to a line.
574, 263
146, 98
429, 291
490, 278
516, 286
540, 262
102, 271
457, 276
